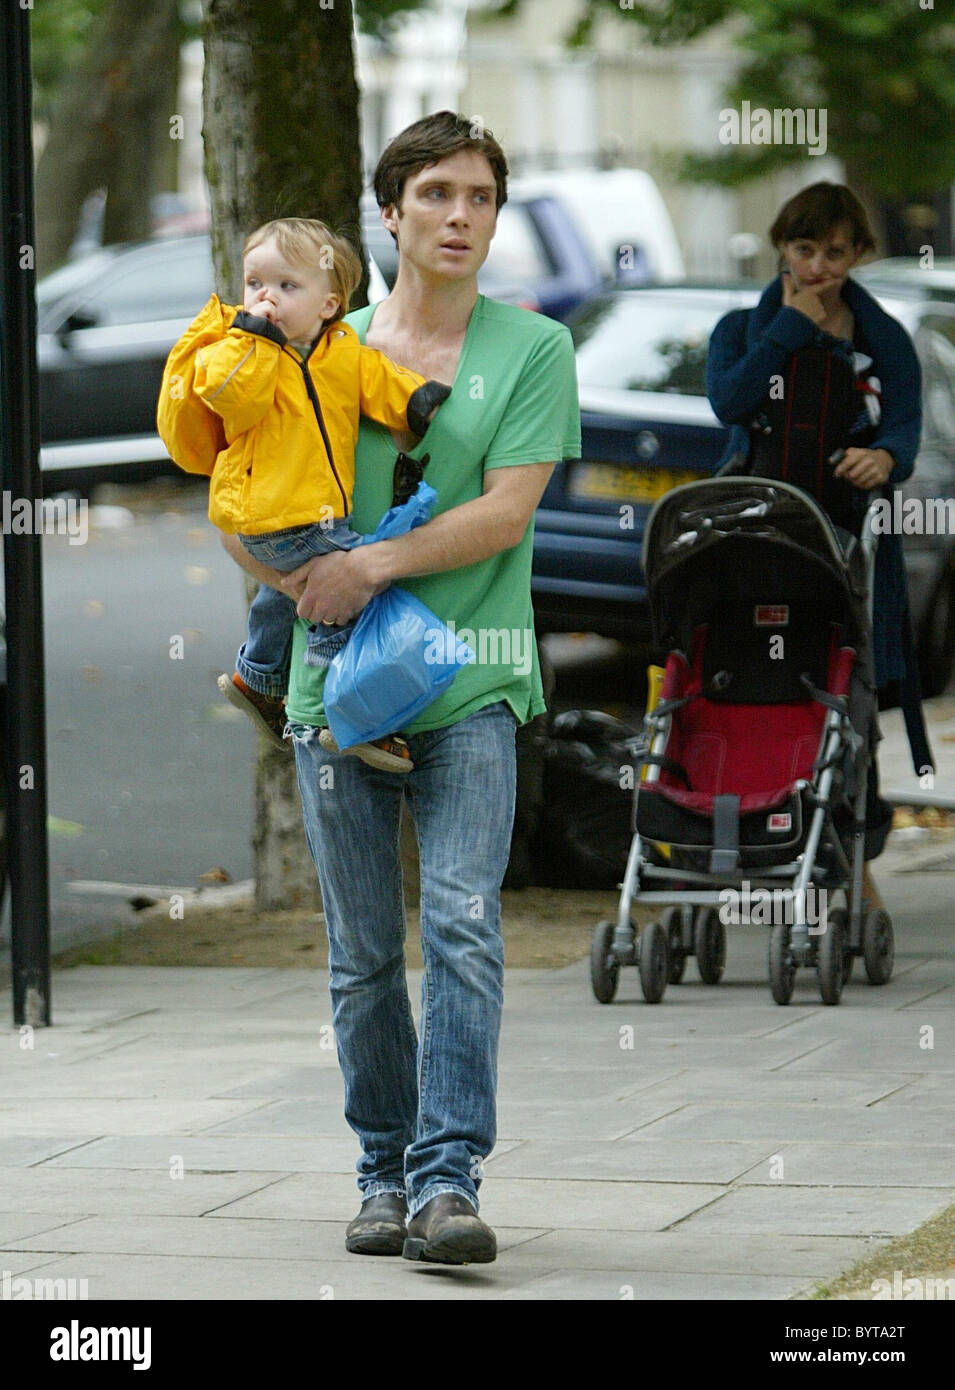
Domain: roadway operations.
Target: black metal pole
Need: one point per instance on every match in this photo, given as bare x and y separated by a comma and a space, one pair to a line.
19, 436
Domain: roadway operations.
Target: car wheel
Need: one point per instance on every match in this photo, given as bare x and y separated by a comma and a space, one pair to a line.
936, 638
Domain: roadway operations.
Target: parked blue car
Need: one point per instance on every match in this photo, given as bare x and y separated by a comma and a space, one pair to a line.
647, 427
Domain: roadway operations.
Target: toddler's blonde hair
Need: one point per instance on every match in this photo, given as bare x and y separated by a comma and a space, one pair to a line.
307, 242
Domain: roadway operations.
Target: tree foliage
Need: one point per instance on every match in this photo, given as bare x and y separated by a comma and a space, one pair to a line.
59, 36
884, 73
380, 17
109, 123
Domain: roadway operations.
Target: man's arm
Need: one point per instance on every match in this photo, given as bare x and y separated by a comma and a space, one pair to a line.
333, 588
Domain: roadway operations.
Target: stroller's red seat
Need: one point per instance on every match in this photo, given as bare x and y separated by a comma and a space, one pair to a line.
716, 748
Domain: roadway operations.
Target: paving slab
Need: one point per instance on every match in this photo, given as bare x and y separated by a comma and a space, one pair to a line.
296, 1196
64, 1193
628, 1284
312, 1082
513, 1202
638, 1145
854, 1164
19, 1263
23, 1150
635, 1160
778, 1123
222, 1154
919, 1091
721, 1085
875, 1054
16, 1226
820, 1211
168, 1278
681, 1251
198, 1237
604, 1119
552, 1085
628, 1065
92, 1118
293, 1117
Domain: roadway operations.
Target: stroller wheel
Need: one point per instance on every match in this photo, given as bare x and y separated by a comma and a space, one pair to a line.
878, 946
710, 943
604, 970
654, 962
676, 951
848, 959
782, 971
831, 958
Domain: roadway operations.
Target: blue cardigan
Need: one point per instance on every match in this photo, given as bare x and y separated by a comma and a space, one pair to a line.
747, 347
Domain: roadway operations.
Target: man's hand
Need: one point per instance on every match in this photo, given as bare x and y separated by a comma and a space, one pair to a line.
334, 588
866, 468
807, 297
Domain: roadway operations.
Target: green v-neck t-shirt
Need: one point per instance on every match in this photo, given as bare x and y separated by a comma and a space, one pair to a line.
514, 401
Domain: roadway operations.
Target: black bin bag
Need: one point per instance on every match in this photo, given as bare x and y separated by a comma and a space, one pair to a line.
589, 775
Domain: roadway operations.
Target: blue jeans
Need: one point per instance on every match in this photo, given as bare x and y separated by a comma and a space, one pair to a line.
424, 1109
264, 656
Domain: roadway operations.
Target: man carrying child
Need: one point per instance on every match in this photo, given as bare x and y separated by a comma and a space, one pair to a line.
425, 1109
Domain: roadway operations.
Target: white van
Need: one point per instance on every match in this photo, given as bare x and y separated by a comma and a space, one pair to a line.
614, 209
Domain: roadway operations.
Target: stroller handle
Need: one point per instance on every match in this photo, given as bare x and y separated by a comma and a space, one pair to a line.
869, 541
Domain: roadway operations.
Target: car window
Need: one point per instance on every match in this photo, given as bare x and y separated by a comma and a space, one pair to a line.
935, 340
517, 253
165, 281
634, 342
380, 244
69, 279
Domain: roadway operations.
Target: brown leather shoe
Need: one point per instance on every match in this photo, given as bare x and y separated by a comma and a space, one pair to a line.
379, 1228
389, 754
448, 1231
266, 712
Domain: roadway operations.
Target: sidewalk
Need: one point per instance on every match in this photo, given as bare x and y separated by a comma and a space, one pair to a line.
179, 1135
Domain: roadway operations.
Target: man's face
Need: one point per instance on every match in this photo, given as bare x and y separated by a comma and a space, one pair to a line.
448, 216
296, 298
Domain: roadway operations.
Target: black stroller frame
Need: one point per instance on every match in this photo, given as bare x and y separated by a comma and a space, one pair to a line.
694, 521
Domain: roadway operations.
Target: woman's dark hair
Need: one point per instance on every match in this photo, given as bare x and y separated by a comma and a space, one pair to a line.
427, 141
817, 211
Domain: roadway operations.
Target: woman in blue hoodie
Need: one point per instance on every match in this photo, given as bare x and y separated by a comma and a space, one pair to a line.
820, 235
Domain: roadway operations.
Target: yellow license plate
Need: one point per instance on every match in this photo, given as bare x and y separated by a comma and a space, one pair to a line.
613, 482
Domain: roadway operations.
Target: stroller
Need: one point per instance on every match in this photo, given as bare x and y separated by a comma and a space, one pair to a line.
756, 757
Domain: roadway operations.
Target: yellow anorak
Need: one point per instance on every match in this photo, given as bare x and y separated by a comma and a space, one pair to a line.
291, 424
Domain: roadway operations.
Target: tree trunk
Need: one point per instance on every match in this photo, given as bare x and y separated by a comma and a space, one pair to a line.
110, 128
147, 83
858, 179
280, 128
280, 120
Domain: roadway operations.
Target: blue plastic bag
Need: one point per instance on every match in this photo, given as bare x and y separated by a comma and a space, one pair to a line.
400, 655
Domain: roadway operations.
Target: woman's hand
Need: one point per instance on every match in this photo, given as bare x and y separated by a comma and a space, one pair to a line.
807, 298
866, 468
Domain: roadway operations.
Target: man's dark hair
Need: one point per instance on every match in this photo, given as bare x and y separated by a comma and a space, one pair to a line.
817, 211
429, 140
